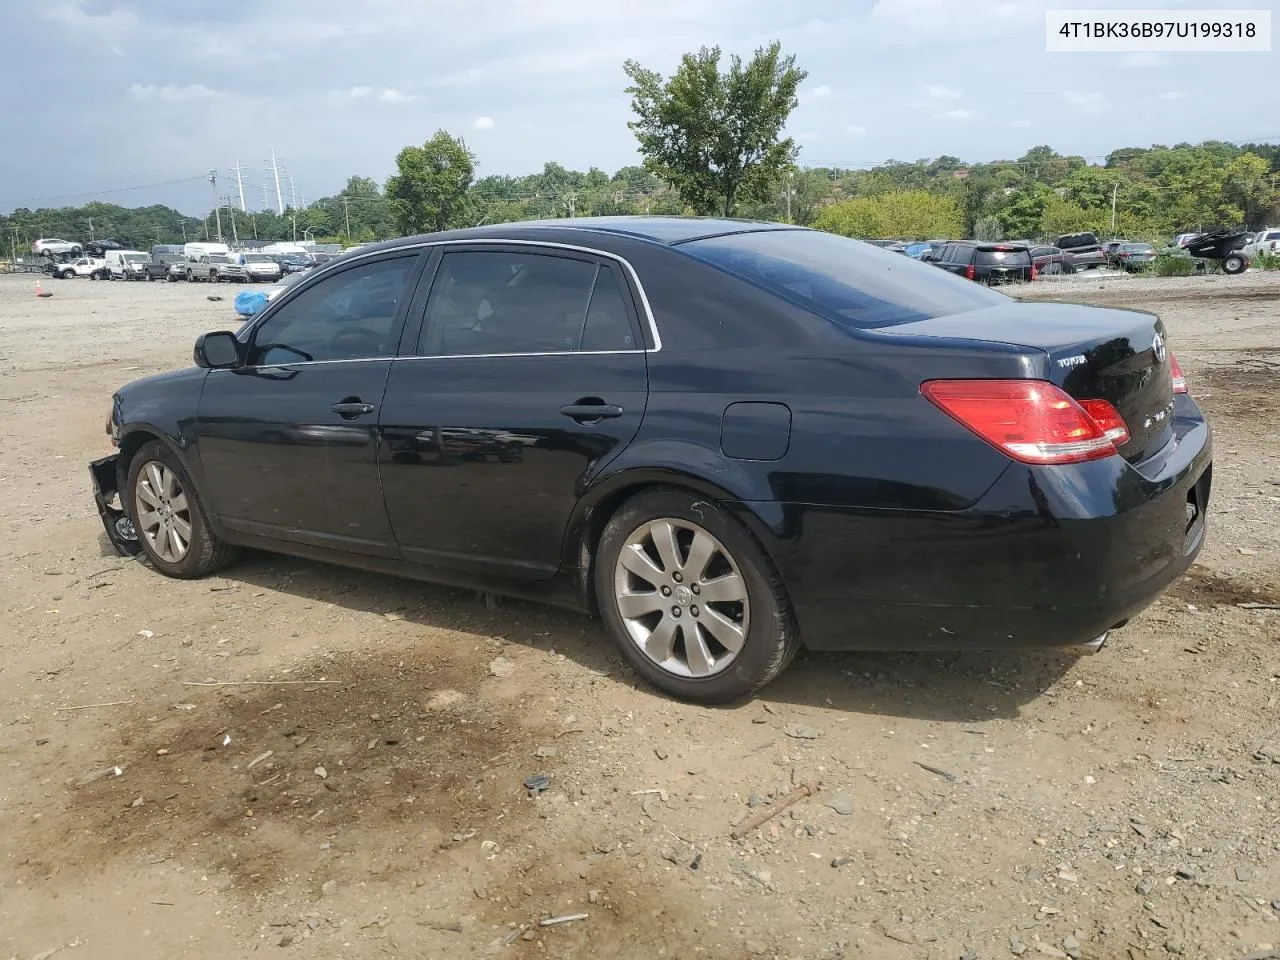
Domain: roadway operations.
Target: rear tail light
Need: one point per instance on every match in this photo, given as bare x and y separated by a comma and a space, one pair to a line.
1175, 371
1108, 419
1033, 271
969, 272
1031, 421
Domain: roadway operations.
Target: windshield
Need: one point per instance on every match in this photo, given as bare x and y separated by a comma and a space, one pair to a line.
1137, 248
219, 259
851, 283
134, 257
257, 258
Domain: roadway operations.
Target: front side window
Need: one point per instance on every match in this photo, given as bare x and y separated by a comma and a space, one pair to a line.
346, 316
499, 302
852, 284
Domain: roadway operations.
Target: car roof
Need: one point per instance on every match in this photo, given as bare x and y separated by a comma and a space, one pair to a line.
663, 230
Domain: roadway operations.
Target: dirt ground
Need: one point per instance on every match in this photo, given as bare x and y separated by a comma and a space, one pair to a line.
354, 787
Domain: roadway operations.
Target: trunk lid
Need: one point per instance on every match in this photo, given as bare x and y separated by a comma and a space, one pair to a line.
1092, 353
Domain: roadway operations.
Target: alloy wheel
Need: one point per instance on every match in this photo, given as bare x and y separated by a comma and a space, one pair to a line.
682, 598
162, 510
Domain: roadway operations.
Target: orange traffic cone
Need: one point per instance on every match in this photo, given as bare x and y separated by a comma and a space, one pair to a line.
40, 290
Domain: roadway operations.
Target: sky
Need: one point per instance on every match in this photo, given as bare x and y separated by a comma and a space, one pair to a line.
135, 102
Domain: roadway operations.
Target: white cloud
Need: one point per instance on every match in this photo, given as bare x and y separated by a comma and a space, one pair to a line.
1141, 60
819, 92
855, 130
959, 114
938, 92
391, 95
1085, 101
172, 93
483, 123
808, 135
359, 93
1172, 95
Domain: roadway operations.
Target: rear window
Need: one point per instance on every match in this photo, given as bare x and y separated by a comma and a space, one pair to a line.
1273, 235
1077, 240
1003, 257
1137, 248
851, 283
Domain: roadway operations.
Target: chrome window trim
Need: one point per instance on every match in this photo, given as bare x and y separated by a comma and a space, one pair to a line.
549, 244
432, 356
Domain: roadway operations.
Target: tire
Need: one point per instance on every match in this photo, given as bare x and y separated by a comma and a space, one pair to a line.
170, 278
150, 277
1051, 270
711, 672
190, 279
204, 552
1234, 263
213, 276
67, 274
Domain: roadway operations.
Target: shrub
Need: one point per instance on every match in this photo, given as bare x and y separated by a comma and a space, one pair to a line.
1172, 263
1267, 261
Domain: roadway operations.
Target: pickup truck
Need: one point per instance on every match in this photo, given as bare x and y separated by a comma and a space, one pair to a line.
215, 267
90, 267
166, 266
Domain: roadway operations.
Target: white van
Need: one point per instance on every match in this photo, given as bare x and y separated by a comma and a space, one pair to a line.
127, 264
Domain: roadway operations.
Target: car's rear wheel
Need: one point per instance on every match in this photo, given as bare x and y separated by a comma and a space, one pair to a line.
691, 598
1234, 264
170, 520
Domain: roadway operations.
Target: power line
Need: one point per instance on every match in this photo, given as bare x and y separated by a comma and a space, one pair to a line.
96, 193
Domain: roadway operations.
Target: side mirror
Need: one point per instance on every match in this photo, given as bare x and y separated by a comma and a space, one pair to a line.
219, 350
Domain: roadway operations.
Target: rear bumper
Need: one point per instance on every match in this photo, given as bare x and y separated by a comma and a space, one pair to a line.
105, 474
1050, 556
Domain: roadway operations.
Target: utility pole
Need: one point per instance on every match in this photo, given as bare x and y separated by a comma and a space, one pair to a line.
217, 205
90, 219
790, 179
293, 192
231, 212
275, 172
1114, 190
240, 186
346, 213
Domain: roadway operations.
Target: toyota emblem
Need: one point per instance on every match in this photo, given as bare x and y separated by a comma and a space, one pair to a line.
1157, 347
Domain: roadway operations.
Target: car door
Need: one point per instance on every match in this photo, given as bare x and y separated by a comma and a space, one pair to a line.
288, 442
527, 374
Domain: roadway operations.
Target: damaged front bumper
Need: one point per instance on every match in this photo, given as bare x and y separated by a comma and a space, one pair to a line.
106, 493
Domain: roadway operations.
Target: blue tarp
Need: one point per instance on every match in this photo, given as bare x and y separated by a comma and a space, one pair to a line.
250, 302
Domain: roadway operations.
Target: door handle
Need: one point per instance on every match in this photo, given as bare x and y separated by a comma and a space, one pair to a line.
589, 412
350, 409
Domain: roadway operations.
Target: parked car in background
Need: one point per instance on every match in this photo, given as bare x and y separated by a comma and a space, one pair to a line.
735, 438
1110, 247
167, 266
90, 267
918, 249
100, 248
293, 262
1134, 256
1085, 249
1052, 260
261, 267
127, 264
989, 263
1265, 243
53, 247
215, 267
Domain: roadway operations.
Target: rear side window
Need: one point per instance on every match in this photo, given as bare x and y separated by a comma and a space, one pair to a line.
498, 302
851, 283
997, 257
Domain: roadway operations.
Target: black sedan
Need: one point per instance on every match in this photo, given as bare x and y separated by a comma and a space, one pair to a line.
726, 438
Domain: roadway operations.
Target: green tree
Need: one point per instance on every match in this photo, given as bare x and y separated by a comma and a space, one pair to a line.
907, 214
717, 137
430, 190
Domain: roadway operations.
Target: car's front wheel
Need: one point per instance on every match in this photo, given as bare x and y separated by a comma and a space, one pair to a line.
169, 518
691, 598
